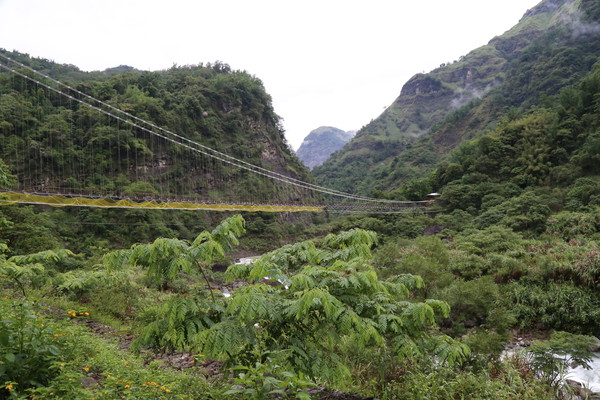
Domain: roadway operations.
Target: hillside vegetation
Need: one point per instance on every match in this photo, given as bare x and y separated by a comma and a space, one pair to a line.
50, 141
374, 309
554, 45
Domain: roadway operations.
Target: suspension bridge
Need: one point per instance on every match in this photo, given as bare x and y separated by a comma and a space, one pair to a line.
69, 148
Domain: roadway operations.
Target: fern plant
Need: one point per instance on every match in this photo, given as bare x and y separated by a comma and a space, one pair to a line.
30, 269
316, 297
165, 259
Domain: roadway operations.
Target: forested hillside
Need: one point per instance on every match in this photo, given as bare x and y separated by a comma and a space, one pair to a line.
554, 45
49, 141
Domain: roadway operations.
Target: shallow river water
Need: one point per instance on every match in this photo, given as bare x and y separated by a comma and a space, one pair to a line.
590, 378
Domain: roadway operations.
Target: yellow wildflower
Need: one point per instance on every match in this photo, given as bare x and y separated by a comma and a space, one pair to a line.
127, 386
55, 335
87, 368
9, 386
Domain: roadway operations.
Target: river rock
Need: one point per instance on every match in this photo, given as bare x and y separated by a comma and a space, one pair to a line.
596, 345
581, 392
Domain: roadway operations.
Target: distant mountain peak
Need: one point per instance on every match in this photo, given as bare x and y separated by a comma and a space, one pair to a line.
320, 143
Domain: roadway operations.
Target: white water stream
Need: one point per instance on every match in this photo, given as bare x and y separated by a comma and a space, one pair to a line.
590, 378
246, 260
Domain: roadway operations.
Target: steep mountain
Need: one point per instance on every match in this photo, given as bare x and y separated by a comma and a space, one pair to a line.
226, 110
321, 143
529, 169
49, 141
555, 44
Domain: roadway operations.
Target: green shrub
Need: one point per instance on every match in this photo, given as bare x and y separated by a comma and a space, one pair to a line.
569, 225
427, 257
30, 347
508, 383
560, 306
495, 239
470, 301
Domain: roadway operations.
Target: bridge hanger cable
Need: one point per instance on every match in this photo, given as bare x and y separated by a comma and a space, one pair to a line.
135, 125
205, 150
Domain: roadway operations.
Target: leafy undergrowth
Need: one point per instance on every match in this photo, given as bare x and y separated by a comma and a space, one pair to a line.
317, 319
47, 358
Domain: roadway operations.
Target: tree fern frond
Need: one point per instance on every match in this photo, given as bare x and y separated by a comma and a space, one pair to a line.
398, 290
174, 324
224, 338
116, 260
227, 232
207, 251
261, 269
293, 257
201, 238
238, 271
251, 306
418, 316
330, 368
390, 323
42, 257
315, 299
301, 282
439, 307
406, 348
410, 281
351, 238
449, 351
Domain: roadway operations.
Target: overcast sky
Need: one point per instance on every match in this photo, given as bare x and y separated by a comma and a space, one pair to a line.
324, 62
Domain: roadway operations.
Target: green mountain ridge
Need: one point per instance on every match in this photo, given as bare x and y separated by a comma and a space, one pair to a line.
553, 45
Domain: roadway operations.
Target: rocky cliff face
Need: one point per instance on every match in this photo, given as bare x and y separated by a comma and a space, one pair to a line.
554, 44
321, 143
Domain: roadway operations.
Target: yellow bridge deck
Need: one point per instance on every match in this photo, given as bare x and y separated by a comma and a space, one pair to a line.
80, 201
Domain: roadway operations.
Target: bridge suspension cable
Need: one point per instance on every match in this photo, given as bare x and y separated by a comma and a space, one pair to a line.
209, 151
153, 129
